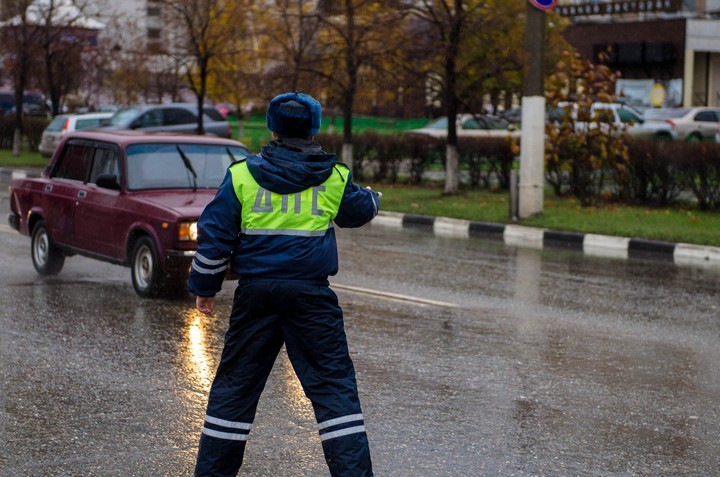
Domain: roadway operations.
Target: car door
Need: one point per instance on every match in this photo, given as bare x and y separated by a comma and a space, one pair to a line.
706, 124
60, 193
97, 213
179, 120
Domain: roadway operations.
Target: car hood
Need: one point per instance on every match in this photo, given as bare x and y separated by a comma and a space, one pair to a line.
185, 203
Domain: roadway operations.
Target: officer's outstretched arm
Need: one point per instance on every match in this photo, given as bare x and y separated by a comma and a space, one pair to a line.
358, 206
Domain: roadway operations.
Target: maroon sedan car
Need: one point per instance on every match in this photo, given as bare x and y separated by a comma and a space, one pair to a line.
123, 197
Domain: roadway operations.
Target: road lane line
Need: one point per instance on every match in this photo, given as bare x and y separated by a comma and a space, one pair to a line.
393, 296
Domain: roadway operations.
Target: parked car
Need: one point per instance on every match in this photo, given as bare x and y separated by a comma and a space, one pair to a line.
615, 117
174, 117
123, 197
690, 124
33, 105
469, 125
63, 124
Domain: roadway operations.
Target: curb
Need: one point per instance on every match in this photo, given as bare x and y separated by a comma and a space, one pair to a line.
605, 246
8, 173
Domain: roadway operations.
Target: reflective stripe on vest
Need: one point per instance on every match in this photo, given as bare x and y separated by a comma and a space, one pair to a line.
308, 213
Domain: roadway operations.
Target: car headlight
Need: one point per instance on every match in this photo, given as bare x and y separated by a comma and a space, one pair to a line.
187, 231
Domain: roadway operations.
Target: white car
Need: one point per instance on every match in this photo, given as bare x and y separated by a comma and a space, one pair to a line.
469, 125
63, 124
618, 117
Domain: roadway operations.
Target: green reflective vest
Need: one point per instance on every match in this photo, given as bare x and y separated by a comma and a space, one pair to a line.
308, 213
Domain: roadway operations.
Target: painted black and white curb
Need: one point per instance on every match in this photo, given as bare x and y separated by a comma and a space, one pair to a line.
8, 174
534, 237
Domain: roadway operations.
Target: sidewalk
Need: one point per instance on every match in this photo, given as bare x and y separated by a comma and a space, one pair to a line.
521, 236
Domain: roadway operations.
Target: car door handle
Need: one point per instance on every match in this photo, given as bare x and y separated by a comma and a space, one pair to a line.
82, 194
48, 187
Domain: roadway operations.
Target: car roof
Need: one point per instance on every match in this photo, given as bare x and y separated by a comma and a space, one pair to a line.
102, 114
127, 137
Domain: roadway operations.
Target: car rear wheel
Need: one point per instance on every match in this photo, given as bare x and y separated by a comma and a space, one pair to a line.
47, 258
146, 273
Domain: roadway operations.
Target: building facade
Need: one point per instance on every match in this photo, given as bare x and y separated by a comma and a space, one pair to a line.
667, 51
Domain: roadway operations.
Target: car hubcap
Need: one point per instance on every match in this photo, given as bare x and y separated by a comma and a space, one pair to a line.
41, 249
143, 267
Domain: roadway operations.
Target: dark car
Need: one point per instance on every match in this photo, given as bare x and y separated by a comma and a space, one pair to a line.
172, 117
33, 105
123, 197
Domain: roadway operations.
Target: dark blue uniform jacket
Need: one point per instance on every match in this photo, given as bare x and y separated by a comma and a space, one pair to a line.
284, 166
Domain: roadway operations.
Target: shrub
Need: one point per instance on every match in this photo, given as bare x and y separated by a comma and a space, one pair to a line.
651, 177
699, 170
489, 161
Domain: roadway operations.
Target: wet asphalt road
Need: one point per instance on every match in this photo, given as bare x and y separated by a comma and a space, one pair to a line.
531, 363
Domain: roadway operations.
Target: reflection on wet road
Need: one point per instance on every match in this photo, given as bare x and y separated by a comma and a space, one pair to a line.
473, 359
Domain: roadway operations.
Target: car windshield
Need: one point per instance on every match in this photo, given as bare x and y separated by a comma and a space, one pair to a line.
441, 123
124, 116
161, 166
485, 122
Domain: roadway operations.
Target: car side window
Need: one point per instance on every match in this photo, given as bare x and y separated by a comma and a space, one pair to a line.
706, 116
74, 161
151, 119
174, 116
105, 161
213, 114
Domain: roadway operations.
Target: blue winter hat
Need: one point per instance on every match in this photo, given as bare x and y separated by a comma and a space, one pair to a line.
294, 115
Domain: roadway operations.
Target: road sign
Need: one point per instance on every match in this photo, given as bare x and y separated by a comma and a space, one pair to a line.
544, 4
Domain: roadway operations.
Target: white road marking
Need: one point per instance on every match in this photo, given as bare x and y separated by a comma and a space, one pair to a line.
393, 296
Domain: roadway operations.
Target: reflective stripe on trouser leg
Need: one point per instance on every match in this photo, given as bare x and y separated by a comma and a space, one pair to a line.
317, 347
252, 343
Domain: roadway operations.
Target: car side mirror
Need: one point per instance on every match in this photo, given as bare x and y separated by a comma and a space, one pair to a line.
108, 181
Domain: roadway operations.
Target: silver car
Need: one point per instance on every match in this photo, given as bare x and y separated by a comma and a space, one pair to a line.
63, 124
171, 117
690, 124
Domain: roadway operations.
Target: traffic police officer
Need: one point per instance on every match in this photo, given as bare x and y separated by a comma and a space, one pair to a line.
272, 223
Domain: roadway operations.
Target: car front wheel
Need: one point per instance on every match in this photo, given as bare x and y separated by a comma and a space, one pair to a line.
146, 273
47, 258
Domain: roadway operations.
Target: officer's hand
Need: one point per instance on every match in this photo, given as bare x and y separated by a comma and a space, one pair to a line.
377, 192
205, 304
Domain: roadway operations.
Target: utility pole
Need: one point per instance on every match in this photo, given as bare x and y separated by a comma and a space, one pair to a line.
532, 139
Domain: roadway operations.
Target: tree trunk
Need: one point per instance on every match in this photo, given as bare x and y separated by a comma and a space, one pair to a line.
347, 155
17, 141
452, 176
452, 170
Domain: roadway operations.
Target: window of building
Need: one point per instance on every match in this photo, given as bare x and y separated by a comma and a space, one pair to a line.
154, 33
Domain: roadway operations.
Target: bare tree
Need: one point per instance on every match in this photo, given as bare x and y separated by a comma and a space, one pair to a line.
468, 49
201, 32
64, 35
18, 37
290, 30
355, 36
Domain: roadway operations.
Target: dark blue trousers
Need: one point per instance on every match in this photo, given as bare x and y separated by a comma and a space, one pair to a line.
303, 314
